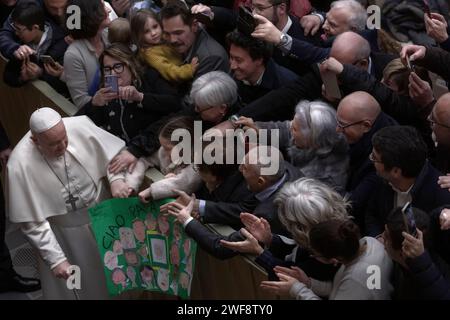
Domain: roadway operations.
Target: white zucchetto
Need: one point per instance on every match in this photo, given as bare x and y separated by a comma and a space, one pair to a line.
44, 119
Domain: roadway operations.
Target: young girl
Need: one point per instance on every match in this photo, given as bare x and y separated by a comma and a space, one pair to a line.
178, 175
147, 32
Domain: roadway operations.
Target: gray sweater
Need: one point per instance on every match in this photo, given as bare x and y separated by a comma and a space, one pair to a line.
352, 281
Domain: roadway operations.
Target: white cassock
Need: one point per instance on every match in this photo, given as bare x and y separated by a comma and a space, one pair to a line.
36, 198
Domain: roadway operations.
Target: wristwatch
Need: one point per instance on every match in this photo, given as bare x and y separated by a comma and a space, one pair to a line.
284, 39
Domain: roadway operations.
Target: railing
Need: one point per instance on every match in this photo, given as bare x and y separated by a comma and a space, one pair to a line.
236, 278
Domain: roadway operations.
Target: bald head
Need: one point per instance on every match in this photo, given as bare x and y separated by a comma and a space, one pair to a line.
441, 121
441, 110
349, 48
359, 105
356, 114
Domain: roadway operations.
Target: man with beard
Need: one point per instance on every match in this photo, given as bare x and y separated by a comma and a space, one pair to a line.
399, 155
190, 40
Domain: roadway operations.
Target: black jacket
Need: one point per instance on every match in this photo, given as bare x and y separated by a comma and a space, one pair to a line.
362, 175
229, 213
399, 107
426, 195
274, 77
280, 104
9, 42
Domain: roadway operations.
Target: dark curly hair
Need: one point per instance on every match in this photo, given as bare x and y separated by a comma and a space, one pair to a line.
257, 49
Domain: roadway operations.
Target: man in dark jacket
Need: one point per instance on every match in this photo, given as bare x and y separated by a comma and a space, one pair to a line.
254, 71
400, 158
348, 48
55, 11
359, 117
28, 21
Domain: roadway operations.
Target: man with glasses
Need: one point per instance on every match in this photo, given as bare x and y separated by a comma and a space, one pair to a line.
358, 118
399, 155
54, 12
190, 40
439, 120
38, 36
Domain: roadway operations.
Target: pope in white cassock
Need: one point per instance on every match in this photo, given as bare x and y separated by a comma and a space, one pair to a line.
53, 175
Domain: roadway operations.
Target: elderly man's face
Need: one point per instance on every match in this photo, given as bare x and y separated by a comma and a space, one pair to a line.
180, 35
53, 142
440, 126
335, 23
352, 127
254, 183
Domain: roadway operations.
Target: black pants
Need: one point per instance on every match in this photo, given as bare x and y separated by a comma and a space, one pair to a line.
6, 268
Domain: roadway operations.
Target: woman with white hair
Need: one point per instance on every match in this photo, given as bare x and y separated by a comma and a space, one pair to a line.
214, 97
311, 143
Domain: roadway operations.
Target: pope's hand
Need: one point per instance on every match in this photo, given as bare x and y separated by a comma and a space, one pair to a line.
120, 189
62, 270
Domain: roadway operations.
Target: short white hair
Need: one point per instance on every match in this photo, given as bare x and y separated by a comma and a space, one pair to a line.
214, 89
306, 202
318, 124
358, 14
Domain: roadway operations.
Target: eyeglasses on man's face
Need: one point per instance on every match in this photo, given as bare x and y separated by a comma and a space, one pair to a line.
117, 67
259, 8
344, 126
434, 122
17, 29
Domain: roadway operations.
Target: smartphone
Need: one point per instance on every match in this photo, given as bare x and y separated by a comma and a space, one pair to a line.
246, 23
330, 82
112, 82
409, 64
48, 59
426, 8
408, 218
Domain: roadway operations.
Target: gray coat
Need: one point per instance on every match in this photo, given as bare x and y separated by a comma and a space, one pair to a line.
211, 55
329, 165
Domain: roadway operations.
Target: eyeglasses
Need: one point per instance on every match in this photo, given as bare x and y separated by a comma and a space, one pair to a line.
16, 28
117, 67
372, 158
343, 126
433, 123
258, 8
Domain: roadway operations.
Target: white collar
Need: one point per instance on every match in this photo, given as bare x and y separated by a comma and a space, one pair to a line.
258, 82
287, 26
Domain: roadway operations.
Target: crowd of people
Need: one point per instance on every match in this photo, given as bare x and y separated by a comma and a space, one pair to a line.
362, 139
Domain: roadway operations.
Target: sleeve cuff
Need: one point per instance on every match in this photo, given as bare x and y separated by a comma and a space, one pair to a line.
187, 222
202, 207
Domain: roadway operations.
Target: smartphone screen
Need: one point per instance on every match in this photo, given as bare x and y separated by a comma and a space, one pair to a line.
48, 60
112, 82
409, 65
408, 217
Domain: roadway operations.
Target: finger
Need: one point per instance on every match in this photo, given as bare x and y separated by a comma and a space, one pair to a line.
315, 29
260, 19
231, 245
132, 166
283, 277
247, 234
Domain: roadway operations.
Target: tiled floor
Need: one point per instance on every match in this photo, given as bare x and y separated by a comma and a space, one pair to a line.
24, 262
